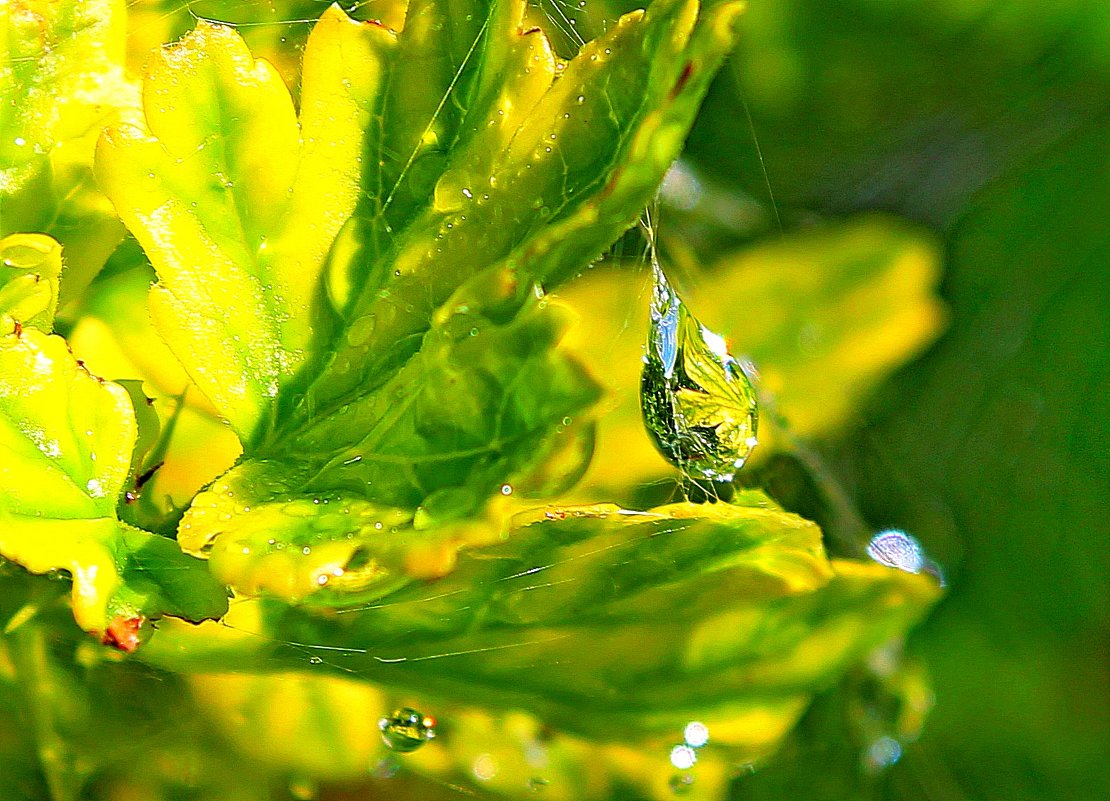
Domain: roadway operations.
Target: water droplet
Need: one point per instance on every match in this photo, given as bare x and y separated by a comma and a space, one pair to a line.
696, 734
360, 331
699, 405
681, 783
683, 757
406, 730
315, 660
882, 753
485, 768
387, 768
452, 192
506, 489
895, 548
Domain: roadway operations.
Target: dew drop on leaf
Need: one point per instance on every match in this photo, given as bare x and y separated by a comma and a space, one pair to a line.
696, 734
681, 783
406, 730
898, 549
683, 757
698, 404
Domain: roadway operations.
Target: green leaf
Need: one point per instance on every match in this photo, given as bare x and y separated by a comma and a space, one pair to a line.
525, 163
355, 291
61, 78
613, 627
236, 204
67, 438
30, 265
469, 413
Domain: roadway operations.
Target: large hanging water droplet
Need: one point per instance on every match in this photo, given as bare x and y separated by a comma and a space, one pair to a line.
698, 403
406, 730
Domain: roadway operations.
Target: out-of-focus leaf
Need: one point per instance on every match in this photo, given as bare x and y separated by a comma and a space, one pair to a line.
68, 437
29, 268
89, 724
413, 366
646, 620
825, 315
61, 78
854, 732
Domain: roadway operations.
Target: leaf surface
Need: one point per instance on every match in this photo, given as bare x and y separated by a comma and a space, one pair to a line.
68, 438
356, 291
61, 78
724, 614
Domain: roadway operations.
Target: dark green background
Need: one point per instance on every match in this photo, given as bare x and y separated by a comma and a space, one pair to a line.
988, 122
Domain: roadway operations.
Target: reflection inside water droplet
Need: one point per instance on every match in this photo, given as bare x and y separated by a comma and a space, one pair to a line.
699, 405
406, 730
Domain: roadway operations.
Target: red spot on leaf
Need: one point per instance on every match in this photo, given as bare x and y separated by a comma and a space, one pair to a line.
683, 79
123, 633
18, 328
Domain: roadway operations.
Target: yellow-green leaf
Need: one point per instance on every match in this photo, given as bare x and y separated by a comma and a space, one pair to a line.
61, 78
236, 204
30, 265
67, 438
611, 629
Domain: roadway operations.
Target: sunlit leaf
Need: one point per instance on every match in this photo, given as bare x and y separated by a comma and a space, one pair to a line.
336, 508
61, 78
68, 437
408, 364
235, 204
29, 268
614, 628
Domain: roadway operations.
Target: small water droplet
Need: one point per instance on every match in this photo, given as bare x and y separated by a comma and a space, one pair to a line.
698, 403
315, 660
683, 757
536, 784
506, 489
696, 734
406, 730
388, 767
895, 548
485, 767
360, 331
882, 753
681, 783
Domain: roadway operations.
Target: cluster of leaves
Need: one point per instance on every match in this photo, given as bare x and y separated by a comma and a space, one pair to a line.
357, 375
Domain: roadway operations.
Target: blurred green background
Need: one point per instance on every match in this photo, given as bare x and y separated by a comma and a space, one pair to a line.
988, 122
